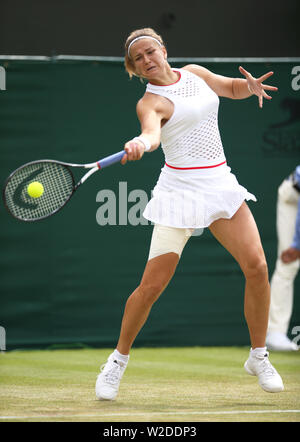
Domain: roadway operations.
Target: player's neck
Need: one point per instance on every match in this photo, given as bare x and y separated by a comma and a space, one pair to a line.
165, 78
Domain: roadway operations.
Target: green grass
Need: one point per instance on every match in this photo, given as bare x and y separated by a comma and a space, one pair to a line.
160, 385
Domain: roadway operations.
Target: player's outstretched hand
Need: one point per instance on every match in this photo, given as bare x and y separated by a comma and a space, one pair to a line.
134, 151
256, 86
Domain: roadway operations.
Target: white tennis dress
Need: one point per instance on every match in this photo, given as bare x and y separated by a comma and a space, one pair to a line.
195, 187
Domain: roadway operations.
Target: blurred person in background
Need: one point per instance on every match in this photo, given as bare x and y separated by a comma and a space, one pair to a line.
287, 264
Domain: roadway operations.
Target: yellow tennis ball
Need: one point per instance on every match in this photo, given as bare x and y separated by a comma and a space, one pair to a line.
35, 189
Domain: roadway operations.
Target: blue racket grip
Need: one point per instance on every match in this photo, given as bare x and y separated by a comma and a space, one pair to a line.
112, 159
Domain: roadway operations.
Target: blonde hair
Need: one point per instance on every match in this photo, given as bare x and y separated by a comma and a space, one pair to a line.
147, 32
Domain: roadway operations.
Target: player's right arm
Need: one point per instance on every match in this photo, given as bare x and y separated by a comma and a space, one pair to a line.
150, 114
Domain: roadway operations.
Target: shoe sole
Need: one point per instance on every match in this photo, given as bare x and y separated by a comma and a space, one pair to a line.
102, 397
105, 398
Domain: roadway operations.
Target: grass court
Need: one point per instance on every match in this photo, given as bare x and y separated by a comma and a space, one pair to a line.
195, 384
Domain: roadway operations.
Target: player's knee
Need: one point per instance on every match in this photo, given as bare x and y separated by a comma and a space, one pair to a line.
256, 269
150, 291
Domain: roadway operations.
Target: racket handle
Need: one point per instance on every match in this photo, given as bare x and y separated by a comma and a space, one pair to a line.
112, 159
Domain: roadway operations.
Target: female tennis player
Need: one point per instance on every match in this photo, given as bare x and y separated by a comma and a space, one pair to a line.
196, 189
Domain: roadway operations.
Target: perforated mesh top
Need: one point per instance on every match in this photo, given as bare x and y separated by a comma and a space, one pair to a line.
191, 137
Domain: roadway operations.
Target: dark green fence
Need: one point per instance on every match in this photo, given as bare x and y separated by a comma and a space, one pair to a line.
65, 280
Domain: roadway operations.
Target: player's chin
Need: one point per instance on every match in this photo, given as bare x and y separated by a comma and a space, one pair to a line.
151, 73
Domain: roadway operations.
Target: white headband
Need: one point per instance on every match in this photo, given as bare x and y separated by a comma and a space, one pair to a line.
139, 38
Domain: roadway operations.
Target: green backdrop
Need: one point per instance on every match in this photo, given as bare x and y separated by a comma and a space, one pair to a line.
65, 280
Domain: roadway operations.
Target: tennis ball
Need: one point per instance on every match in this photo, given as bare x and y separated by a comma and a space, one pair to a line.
35, 189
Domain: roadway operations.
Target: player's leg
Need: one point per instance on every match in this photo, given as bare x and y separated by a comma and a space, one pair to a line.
167, 244
166, 247
240, 236
157, 274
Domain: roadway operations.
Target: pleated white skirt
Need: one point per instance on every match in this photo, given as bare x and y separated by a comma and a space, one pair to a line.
195, 198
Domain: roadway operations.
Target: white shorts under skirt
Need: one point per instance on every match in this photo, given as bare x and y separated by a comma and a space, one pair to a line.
195, 198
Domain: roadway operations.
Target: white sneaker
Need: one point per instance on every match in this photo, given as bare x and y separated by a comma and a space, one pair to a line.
260, 366
108, 381
278, 341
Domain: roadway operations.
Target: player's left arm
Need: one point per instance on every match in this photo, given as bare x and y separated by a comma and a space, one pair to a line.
234, 88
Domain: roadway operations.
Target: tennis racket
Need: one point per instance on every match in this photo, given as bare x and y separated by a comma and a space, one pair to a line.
58, 185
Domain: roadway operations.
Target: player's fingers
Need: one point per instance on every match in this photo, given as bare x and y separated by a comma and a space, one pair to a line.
260, 101
268, 97
124, 159
136, 152
244, 72
270, 88
265, 76
129, 149
128, 155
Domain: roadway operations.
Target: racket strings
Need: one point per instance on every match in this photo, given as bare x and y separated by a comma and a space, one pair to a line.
58, 184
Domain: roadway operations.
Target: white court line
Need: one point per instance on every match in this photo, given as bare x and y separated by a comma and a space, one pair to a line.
163, 413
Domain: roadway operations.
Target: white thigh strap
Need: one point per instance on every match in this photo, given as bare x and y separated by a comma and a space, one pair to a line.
168, 239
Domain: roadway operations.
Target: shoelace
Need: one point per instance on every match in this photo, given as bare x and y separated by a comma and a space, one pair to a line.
266, 366
113, 374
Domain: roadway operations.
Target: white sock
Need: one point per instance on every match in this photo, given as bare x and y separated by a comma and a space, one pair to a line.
122, 358
258, 351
